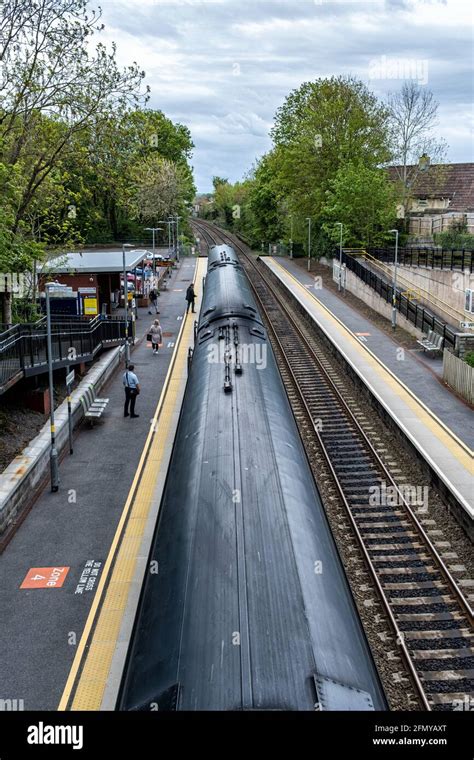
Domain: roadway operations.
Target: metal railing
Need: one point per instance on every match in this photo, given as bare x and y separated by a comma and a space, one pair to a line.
452, 314
421, 317
432, 258
23, 347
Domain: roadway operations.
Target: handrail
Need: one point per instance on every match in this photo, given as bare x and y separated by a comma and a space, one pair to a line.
418, 314
425, 295
23, 347
433, 257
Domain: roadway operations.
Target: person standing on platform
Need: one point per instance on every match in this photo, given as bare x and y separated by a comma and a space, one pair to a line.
153, 301
132, 389
156, 335
190, 297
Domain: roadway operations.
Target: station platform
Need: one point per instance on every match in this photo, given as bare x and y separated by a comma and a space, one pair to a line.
72, 572
434, 419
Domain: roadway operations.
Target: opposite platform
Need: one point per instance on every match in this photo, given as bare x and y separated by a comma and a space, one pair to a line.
449, 457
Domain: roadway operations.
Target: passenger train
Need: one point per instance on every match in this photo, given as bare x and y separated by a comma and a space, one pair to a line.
250, 608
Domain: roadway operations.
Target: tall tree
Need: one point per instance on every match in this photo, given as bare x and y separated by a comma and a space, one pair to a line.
54, 85
321, 126
160, 187
412, 116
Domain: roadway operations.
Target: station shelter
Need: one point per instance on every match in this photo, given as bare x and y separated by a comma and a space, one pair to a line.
96, 279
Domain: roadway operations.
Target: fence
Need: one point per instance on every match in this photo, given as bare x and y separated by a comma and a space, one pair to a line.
432, 258
421, 317
23, 347
431, 224
458, 375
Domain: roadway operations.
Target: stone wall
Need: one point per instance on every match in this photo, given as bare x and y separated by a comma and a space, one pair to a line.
366, 294
26, 472
448, 286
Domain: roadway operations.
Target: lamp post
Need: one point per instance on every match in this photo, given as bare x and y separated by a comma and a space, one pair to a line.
339, 279
394, 285
176, 221
153, 229
172, 221
308, 219
125, 298
291, 236
53, 456
168, 222
177, 237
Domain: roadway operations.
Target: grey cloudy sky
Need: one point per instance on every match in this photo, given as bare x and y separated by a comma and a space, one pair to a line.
222, 67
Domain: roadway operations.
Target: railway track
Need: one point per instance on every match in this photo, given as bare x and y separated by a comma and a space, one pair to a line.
426, 610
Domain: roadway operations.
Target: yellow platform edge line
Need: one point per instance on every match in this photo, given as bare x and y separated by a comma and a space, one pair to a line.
428, 411
78, 659
93, 679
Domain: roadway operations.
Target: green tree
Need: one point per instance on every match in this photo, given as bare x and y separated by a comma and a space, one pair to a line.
160, 188
265, 201
54, 86
364, 201
322, 126
216, 181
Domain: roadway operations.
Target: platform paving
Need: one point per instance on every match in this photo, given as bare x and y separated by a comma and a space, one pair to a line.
420, 373
73, 528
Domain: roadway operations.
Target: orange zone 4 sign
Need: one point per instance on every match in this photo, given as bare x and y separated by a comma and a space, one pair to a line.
45, 577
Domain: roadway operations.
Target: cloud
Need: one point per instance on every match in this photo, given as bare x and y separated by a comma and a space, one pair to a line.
223, 68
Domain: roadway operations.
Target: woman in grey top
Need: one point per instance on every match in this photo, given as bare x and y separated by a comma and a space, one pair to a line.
156, 335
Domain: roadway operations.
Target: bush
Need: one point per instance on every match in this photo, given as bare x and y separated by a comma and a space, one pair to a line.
469, 358
456, 238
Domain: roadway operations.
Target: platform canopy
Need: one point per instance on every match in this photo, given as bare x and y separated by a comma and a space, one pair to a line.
94, 262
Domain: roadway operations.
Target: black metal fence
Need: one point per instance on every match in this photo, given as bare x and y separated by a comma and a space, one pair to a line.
432, 258
23, 347
421, 317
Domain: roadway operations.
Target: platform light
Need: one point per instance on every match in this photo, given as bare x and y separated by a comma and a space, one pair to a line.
175, 220
168, 222
52, 289
339, 224
394, 284
125, 299
308, 219
291, 236
154, 229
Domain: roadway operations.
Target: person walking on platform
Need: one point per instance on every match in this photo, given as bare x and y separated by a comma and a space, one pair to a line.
190, 297
156, 335
132, 389
153, 301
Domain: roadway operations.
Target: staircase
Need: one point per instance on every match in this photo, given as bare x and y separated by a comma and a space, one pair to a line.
23, 347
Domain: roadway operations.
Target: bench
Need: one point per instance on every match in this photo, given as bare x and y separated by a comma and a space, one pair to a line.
96, 410
434, 342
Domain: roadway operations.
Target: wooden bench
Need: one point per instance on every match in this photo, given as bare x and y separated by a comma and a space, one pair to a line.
96, 410
434, 342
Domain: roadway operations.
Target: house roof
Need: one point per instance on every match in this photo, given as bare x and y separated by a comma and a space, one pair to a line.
94, 262
453, 181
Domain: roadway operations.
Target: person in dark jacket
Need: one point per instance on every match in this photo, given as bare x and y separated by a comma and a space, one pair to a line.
190, 297
153, 296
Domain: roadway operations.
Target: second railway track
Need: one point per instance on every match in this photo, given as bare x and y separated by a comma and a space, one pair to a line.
426, 610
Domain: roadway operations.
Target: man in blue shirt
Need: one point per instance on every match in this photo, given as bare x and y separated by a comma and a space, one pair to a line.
132, 389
